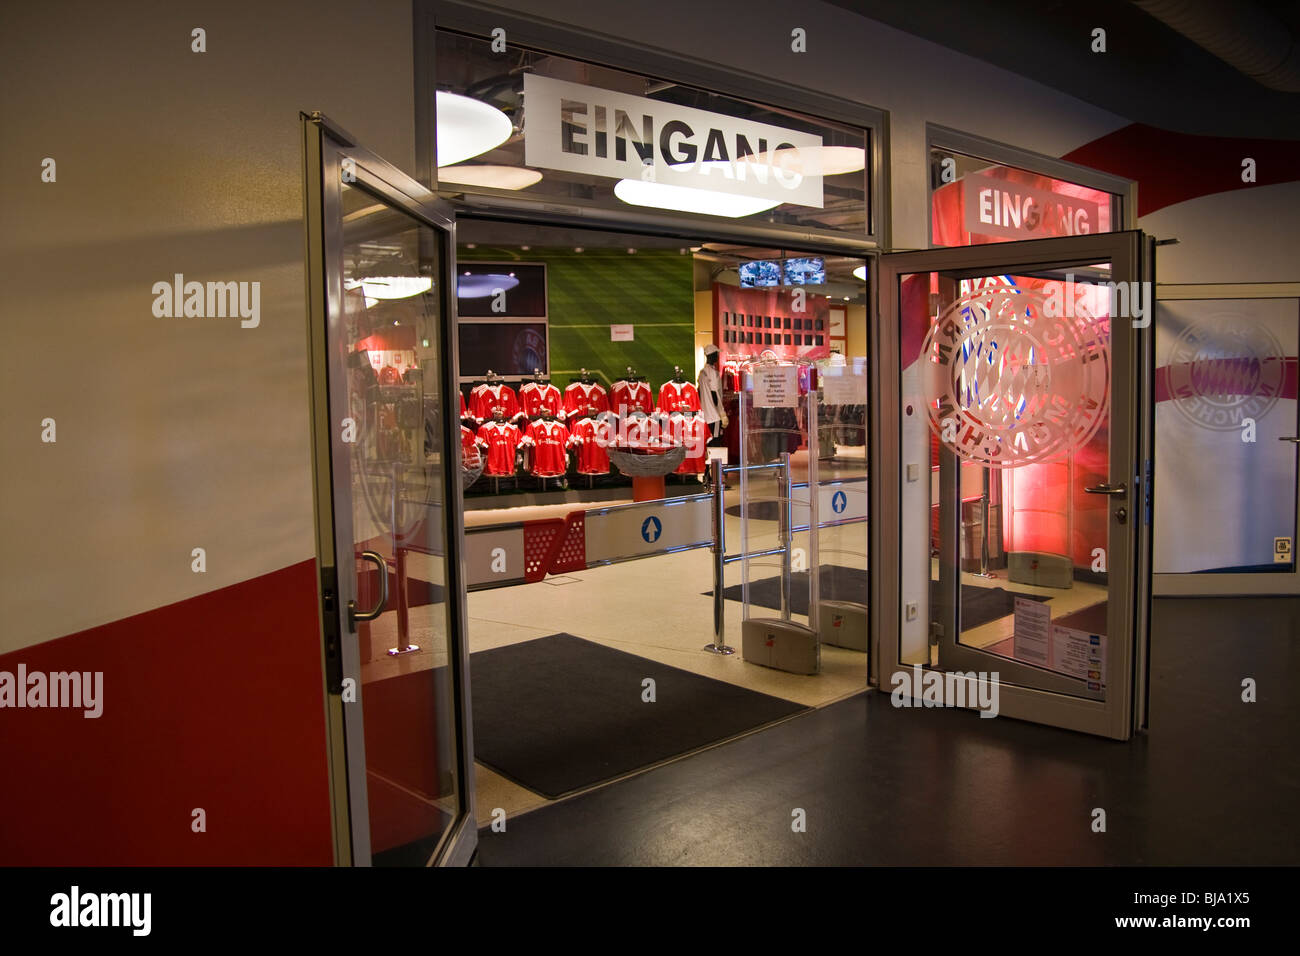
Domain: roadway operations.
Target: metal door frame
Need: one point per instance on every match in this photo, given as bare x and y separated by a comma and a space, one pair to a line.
1131, 255
1246, 583
325, 145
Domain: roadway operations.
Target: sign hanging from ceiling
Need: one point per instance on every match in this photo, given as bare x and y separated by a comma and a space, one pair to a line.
583, 129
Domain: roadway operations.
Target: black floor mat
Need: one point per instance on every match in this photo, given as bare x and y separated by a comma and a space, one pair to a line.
979, 605
559, 713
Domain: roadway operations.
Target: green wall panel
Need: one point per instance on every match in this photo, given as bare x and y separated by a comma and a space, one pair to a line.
651, 290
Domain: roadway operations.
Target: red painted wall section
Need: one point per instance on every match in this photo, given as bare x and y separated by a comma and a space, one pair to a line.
213, 702
1174, 167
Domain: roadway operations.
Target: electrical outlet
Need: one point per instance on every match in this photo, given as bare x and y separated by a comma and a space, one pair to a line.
910, 611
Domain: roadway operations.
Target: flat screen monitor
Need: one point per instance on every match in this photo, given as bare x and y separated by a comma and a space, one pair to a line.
807, 270
759, 273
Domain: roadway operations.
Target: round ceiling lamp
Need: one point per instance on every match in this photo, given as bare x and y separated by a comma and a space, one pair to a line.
833, 160
491, 177
707, 202
468, 127
391, 287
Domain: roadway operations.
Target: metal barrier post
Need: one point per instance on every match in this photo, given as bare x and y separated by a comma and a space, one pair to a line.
785, 522
719, 551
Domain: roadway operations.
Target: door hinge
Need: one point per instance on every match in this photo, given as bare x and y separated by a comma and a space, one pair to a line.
329, 616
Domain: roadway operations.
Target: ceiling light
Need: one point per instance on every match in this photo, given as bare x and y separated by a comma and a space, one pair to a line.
390, 287
821, 160
686, 199
491, 177
860, 273
468, 127
482, 286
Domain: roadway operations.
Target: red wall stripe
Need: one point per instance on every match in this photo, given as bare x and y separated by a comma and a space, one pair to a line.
1174, 167
212, 702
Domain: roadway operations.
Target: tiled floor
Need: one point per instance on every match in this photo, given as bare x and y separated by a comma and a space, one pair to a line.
1215, 781
655, 608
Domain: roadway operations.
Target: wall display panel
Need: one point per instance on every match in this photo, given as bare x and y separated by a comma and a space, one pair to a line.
496, 290
508, 348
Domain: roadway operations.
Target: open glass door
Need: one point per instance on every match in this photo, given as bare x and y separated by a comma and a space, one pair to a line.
1019, 376
388, 496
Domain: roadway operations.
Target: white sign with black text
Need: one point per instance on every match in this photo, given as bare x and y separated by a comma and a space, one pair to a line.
583, 129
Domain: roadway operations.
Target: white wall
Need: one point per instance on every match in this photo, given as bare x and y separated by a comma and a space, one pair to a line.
172, 433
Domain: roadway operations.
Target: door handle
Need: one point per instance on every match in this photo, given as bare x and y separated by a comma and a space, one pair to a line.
1105, 489
353, 614
1293, 438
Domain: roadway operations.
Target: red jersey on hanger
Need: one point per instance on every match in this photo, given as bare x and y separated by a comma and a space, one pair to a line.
549, 442
468, 449
580, 398
464, 412
535, 396
644, 434
679, 397
589, 438
485, 399
693, 432
500, 440
631, 395
731, 372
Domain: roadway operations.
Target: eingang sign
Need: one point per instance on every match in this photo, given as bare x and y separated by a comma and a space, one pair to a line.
583, 129
1010, 210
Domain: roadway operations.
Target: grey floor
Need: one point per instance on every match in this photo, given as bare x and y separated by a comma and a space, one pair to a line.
1215, 781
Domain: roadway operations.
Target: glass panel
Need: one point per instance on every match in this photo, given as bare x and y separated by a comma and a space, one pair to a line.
1006, 408
391, 266
974, 202
1225, 393
842, 495
617, 140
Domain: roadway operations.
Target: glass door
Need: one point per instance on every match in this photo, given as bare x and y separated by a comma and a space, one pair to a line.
1022, 376
388, 508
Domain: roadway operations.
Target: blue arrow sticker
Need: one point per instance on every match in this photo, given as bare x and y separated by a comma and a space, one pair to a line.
839, 501
650, 529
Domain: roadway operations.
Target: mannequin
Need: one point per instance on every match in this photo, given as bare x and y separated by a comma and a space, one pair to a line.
710, 389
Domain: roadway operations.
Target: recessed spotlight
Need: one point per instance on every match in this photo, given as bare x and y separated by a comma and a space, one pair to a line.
525, 248
471, 245
631, 252
577, 248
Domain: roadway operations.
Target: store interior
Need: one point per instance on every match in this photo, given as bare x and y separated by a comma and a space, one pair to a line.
603, 320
